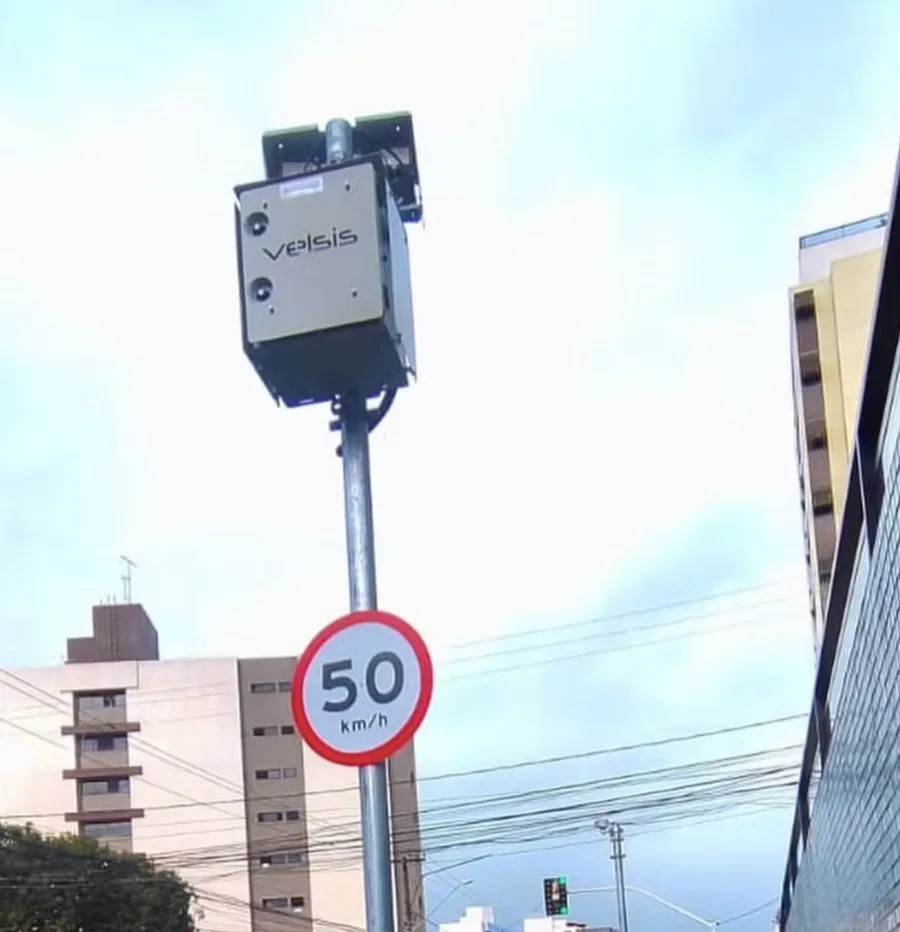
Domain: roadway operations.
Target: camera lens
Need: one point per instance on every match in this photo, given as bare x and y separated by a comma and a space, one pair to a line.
261, 289
257, 223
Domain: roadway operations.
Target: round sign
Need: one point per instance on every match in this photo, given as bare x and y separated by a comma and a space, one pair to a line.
361, 688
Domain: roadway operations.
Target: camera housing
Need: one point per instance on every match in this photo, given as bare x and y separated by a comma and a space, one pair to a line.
326, 294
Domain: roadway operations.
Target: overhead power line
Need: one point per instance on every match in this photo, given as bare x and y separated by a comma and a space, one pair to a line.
500, 768
619, 616
586, 654
160, 754
450, 803
615, 632
699, 788
751, 912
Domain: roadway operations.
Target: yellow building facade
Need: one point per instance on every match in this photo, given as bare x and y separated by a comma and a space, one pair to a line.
831, 314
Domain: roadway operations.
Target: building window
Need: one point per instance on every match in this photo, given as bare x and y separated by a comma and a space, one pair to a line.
104, 743
258, 688
104, 787
275, 902
291, 815
270, 731
106, 829
87, 701
282, 859
293, 903
288, 773
284, 686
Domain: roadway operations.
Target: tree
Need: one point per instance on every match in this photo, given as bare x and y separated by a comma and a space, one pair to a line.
71, 884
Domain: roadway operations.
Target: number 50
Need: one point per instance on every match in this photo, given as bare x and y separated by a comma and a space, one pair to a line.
333, 677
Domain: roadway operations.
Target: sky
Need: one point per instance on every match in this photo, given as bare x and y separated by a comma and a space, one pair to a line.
602, 424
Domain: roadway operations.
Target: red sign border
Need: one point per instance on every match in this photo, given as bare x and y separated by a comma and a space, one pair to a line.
407, 732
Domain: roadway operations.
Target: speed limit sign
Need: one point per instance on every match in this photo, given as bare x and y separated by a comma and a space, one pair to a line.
361, 688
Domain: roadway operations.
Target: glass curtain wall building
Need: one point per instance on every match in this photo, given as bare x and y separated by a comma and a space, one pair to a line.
843, 867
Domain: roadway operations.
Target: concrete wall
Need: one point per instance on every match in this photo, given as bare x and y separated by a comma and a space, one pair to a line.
191, 788
284, 795
854, 283
843, 299
193, 785
335, 855
816, 261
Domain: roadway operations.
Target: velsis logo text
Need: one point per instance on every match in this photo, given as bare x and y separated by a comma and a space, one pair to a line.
312, 243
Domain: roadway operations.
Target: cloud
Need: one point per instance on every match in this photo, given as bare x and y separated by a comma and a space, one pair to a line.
603, 419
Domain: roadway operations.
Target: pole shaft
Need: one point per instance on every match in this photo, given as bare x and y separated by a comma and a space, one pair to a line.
614, 857
373, 783
621, 863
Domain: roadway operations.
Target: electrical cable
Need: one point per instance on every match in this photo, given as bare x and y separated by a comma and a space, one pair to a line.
616, 632
522, 828
716, 793
583, 655
164, 692
166, 757
374, 416
728, 786
620, 616
751, 912
500, 768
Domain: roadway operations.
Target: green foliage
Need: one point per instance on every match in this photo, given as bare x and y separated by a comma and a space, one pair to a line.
71, 884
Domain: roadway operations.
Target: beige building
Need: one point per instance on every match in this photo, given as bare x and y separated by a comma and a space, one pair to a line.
831, 313
196, 764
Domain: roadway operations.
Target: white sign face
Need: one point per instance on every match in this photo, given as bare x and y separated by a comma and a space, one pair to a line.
362, 690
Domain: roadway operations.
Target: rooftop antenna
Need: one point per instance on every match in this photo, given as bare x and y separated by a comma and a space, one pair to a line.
126, 578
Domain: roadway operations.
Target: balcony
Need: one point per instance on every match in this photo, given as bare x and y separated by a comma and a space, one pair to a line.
100, 708
816, 437
105, 802
807, 333
813, 402
115, 833
824, 529
819, 472
100, 757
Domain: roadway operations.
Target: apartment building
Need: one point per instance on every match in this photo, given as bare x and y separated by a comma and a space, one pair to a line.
196, 764
831, 314
843, 866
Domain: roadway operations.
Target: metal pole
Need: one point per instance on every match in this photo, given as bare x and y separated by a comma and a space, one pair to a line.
620, 865
618, 879
373, 783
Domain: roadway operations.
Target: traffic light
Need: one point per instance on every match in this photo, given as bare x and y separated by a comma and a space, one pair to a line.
556, 896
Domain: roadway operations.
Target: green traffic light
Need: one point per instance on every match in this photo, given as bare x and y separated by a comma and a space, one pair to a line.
564, 911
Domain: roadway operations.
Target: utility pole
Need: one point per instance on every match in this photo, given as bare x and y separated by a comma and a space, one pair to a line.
617, 856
